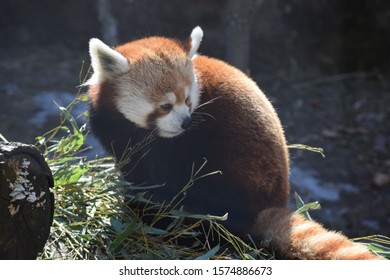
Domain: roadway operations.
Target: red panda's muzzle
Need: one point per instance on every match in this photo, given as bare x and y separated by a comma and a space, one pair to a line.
186, 123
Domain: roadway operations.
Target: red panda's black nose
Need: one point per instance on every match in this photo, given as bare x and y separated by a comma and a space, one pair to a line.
186, 123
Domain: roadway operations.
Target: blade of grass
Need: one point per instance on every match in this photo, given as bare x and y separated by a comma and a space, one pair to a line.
123, 235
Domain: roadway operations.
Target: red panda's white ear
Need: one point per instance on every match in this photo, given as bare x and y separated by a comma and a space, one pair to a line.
105, 61
196, 38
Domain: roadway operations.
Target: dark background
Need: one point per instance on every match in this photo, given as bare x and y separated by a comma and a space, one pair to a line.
324, 64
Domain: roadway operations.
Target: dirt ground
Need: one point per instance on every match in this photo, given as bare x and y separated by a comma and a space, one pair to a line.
353, 129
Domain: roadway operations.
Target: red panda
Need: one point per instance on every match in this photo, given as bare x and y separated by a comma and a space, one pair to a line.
200, 108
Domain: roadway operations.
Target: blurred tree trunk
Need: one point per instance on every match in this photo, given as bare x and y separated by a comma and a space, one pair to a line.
109, 25
239, 16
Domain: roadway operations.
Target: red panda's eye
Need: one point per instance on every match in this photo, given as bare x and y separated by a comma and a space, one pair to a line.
166, 107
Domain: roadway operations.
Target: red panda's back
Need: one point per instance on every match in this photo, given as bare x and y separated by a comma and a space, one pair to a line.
246, 135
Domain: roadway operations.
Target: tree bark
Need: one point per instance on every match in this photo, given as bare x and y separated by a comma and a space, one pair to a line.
26, 201
238, 21
109, 25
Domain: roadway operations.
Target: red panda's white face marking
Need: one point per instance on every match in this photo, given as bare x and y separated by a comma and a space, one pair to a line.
155, 97
176, 118
155, 82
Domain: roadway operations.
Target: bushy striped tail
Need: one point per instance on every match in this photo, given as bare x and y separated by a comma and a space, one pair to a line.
294, 237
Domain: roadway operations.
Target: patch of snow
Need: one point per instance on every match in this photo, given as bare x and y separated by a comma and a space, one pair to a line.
46, 101
306, 183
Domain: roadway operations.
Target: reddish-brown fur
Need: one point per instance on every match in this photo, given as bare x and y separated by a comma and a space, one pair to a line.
298, 238
243, 139
248, 128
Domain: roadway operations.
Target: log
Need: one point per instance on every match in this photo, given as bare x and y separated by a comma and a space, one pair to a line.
26, 201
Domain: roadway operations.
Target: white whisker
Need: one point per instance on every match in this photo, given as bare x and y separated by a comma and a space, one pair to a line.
207, 102
205, 114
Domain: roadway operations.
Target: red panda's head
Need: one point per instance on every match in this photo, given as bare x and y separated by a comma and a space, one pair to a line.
152, 81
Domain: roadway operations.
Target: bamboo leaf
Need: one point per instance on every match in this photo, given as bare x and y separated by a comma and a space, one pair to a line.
308, 148
303, 208
126, 233
209, 254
